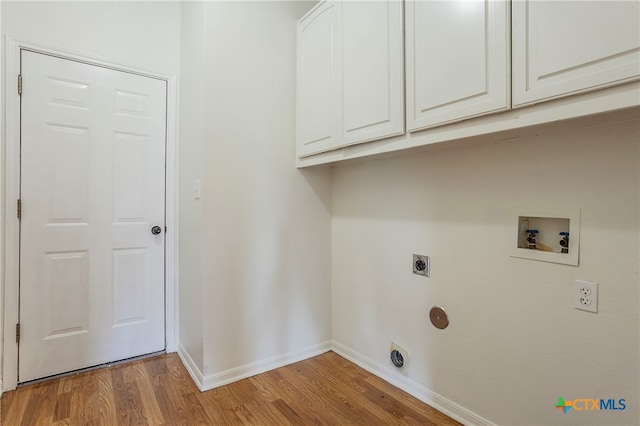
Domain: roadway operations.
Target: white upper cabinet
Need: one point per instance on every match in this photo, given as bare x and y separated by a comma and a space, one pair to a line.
566, 47
350, 76
372, 70
457, 55
452, 65
318, 79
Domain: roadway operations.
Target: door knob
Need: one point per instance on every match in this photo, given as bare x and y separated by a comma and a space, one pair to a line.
156, 230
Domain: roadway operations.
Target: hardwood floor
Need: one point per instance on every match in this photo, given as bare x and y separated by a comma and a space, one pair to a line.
326, 389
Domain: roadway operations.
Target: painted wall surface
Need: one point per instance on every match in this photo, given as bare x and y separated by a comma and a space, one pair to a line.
142, 34
265, 226
515, 343
192, 77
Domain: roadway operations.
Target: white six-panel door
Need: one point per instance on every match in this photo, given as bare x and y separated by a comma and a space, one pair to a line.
92, 187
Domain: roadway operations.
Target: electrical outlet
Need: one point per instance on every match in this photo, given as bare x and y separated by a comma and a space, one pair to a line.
421, 265
398, 355
586, 296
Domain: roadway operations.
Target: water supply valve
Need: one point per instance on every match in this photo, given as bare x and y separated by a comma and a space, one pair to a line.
564, 242
531, 238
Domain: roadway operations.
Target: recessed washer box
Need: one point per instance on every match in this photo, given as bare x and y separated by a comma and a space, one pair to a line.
548, 223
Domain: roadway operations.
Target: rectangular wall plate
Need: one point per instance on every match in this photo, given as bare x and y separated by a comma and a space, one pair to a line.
549, 222
586, 296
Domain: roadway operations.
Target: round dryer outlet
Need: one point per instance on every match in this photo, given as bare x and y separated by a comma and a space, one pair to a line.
397, 359
398, 356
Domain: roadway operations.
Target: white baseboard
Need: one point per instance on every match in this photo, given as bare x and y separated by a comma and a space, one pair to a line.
242, 372
440, 403
191, 366
251, 369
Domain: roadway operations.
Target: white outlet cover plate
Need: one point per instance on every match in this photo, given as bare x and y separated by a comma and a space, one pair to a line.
586, 296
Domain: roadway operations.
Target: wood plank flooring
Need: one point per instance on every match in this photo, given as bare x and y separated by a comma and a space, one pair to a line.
324, 390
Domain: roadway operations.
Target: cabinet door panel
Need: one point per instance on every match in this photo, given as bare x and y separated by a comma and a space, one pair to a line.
317, 81
372, 70
457, 60
566, 47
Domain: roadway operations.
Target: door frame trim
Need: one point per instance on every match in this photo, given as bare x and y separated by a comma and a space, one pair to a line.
11, 174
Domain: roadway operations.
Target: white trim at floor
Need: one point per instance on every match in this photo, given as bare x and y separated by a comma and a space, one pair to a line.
387, 373
222, 378
440, 403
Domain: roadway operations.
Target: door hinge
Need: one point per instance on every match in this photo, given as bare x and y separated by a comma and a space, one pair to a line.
165, 229
17, 333
19, 208
19, 84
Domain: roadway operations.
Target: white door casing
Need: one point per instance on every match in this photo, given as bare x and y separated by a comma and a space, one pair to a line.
92, 186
